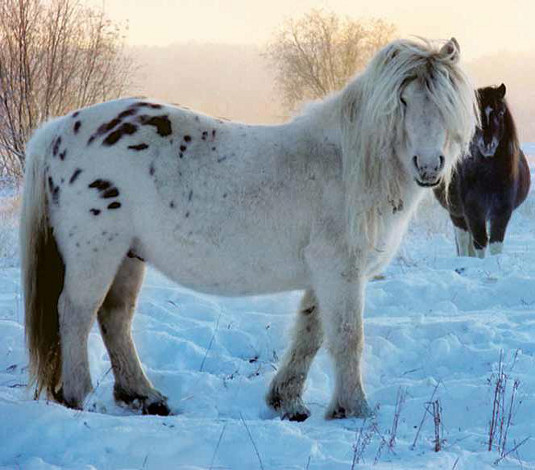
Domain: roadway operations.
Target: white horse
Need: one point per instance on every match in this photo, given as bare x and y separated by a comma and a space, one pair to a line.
318, 204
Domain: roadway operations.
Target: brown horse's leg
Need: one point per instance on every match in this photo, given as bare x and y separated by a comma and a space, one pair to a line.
498, 226
478, 229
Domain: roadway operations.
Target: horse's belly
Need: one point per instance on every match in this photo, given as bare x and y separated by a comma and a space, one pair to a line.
218, 272
227, 262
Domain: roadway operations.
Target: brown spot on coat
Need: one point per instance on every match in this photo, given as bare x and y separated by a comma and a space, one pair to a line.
94, 211
57, 143
54, 190
114, 205
75, 175
161, 123
99, 184
112, 192
125, 129
108, 126
138, 147
187, 138
127, 112
76, 126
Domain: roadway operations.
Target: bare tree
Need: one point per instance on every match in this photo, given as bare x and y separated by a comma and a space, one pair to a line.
55, 56
317, 53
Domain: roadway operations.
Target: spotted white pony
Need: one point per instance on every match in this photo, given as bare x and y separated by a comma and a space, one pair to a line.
318, 204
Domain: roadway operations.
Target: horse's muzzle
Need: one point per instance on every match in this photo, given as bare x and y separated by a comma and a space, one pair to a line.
427, 184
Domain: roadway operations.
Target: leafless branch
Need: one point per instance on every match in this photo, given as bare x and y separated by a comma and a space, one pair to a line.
55, 56
318, 53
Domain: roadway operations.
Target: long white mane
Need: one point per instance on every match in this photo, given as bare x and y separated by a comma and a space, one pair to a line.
372, 116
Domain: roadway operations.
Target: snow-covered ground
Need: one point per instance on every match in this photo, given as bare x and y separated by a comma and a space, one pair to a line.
435, 328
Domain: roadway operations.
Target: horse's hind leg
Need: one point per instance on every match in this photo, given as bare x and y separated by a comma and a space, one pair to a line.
86, 282
115, 319
287, 386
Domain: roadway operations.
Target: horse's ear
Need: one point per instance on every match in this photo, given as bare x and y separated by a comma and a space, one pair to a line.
451, 50
501, 91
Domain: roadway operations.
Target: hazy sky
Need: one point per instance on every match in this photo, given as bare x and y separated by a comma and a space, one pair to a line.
481, 26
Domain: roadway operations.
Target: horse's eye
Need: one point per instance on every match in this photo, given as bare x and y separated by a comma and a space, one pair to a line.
502, 112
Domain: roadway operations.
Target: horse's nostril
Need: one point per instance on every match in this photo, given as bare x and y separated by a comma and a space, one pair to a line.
441, 162
415, 161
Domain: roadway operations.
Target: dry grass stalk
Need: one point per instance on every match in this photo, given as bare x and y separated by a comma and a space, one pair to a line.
437, 420
426, 412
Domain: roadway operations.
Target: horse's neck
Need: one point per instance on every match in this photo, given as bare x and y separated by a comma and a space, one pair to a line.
508, 148
506, 157
319, 127
507, 152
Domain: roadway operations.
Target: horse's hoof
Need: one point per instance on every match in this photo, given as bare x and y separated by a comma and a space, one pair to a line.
153, 405
359, 410
297, 416
158, 408
59, 397
292, 410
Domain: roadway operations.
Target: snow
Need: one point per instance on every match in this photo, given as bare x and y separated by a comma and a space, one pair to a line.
435, 324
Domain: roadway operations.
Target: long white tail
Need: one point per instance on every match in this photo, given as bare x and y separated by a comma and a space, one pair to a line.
42, 269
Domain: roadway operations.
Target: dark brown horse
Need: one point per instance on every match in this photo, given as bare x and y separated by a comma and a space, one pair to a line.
490, 182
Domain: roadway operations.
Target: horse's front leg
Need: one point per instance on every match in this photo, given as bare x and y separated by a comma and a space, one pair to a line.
478, 229
286, 389
498, 226
340, 291
463, 239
